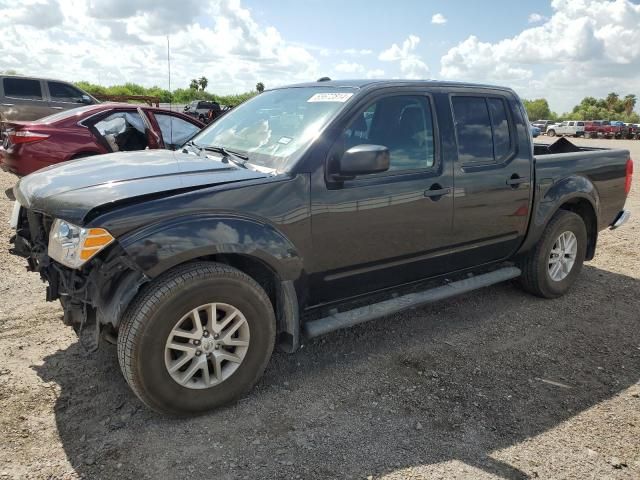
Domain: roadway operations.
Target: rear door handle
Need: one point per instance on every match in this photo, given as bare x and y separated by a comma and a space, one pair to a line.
516, 180
436, 192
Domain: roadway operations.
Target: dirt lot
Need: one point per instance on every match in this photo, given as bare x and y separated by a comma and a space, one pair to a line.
497, 384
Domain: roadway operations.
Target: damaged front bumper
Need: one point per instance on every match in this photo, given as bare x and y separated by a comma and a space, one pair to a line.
93, 297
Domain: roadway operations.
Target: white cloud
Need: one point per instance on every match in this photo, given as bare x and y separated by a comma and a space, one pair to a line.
536, 17
115, 41
438, 19
347, 67
411, 64
578, 51
375, 73
356, 52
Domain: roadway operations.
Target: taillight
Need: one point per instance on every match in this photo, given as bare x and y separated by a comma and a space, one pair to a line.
628, 177
25, 136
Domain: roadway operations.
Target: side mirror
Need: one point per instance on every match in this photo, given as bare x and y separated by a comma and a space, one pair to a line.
363, 160
85, 99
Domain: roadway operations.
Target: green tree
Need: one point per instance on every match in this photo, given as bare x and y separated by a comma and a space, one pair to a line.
203, 82
260, 87
629, 103
538, 109
194, 85
612, 100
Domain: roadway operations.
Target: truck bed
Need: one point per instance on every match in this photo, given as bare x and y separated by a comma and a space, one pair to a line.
604, 168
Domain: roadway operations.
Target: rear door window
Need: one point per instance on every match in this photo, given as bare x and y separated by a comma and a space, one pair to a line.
62, 92
482, 128
22, 88
473, 129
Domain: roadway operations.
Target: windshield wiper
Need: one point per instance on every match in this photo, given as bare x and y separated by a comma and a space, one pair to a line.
237, 158
191, 143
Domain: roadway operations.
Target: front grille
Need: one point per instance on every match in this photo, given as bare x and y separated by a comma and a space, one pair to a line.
38, 226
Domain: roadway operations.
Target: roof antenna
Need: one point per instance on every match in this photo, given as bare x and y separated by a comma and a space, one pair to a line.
323, 79
170, 93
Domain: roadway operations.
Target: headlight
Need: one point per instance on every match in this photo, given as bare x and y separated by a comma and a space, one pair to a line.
73, 246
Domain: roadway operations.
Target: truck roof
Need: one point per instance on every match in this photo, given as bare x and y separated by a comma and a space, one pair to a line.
377, 83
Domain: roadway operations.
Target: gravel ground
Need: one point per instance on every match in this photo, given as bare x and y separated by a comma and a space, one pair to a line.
495, 384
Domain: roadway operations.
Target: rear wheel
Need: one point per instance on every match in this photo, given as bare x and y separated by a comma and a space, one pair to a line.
198, 337
553, 265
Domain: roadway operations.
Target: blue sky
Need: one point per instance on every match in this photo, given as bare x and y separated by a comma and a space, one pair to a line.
562, 50
375, 25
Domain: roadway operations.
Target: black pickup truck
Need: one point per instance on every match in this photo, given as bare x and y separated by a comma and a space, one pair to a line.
307, 209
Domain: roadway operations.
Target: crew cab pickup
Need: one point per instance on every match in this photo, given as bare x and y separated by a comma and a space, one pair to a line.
573, 128
605, 128
304, 210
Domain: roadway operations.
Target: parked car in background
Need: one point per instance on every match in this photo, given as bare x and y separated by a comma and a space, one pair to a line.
535, 131
605, 129
572, 128
542, 124
29, 98
304, 210
92, 130
200, 109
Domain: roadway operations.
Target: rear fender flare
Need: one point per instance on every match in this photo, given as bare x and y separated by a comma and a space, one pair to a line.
572, 188
159, 247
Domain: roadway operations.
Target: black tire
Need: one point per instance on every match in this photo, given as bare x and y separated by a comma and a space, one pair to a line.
154, 312
551, 133
535, 277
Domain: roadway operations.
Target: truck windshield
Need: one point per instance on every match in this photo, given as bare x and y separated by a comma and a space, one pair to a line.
274, 129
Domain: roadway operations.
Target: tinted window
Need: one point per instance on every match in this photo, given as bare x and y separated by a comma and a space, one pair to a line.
473, 129
22, 88
401, 123
500, 123
64, 93
580, 124
175, 131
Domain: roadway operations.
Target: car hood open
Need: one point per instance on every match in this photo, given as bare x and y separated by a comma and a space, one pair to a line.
72, 189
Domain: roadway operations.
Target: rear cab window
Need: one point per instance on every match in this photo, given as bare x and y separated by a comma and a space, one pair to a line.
484, 129
24, 88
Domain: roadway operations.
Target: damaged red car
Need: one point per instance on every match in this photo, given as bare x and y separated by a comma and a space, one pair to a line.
91, 130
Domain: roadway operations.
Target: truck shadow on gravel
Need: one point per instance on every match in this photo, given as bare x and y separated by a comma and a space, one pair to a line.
457, 380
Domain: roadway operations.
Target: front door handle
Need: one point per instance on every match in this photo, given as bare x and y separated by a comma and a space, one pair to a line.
58, 108
516, 180
7, 104
436, 191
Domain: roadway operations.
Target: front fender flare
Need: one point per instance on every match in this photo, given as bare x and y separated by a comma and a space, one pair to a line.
158, 247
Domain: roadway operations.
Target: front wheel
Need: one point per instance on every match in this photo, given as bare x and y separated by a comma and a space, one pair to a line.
196, 338
553, 265
551, 133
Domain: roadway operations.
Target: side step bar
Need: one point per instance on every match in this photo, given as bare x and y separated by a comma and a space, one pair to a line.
349, 318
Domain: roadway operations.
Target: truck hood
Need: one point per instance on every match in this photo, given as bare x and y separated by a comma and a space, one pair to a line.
72, 189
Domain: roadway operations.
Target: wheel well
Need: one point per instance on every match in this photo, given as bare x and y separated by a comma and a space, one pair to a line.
584, 208
256, 269
287, 334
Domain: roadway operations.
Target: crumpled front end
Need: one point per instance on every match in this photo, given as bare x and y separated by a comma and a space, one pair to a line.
93, 296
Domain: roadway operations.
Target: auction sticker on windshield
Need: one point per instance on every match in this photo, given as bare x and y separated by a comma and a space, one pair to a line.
340, 97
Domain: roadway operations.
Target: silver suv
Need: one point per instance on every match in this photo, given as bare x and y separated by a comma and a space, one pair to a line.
28, 98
